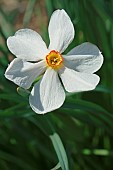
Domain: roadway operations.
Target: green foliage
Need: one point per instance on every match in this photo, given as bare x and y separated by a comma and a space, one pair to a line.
80, 133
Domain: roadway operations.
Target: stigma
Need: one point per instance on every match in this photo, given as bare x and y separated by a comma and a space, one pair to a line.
54, 59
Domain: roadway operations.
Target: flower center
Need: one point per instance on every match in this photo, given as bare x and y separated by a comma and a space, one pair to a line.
54, 59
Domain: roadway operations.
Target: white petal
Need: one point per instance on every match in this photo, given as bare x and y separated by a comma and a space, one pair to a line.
85, 49
84, 58
48, 94
24, 73
61, 31
28, 45
77, 82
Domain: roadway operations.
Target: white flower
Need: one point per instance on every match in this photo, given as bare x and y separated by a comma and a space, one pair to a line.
75, 70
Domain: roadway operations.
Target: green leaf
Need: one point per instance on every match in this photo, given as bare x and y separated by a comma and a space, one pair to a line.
8, 157
99, 152
60, 151
29, 11
3, 165
91, 112
56, 167
6, 27
104, 89
44, 123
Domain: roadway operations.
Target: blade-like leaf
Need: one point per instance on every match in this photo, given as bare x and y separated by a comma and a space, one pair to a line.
56, 167
60, 151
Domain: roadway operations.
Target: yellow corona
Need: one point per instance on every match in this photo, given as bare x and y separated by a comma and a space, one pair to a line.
54, 59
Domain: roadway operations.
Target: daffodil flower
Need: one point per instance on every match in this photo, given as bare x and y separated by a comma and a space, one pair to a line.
72, 72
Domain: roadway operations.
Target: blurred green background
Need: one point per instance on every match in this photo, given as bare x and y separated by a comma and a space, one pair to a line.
79, 135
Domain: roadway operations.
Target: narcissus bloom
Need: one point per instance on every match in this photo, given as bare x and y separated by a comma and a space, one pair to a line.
75, 70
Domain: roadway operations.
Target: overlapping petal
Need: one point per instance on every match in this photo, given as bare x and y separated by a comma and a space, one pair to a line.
84, 49
28, 45
61, 31
85, 58
24, 73
77, 71
77, 82
47, 94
